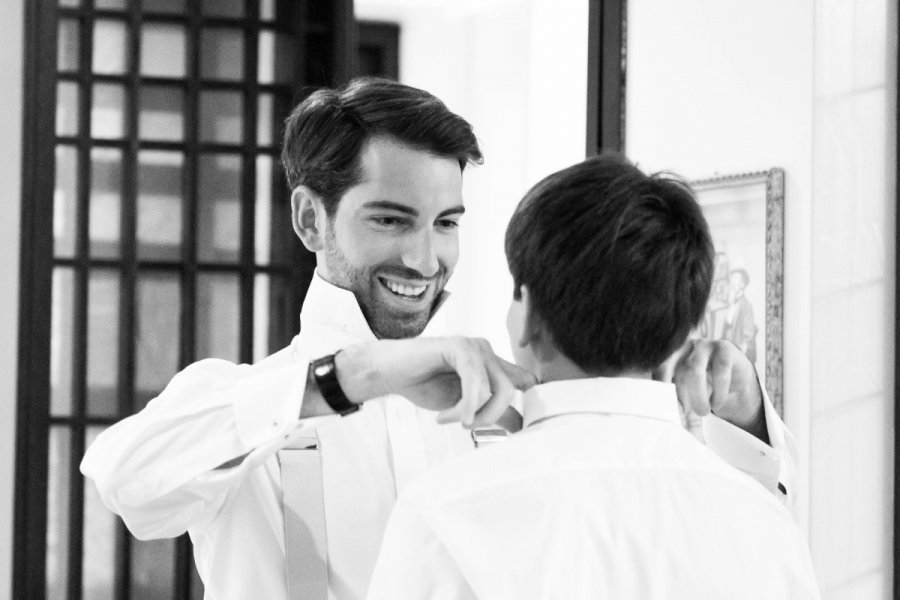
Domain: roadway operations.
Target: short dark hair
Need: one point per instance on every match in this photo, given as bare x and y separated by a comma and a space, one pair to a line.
324, 135
618, 264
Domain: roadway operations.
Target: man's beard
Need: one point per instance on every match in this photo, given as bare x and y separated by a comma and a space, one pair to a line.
385, 322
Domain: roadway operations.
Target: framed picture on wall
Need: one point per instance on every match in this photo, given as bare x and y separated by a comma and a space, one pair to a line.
745, 213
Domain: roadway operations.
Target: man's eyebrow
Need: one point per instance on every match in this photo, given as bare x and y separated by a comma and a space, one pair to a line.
456, 210
403, 208
388, 205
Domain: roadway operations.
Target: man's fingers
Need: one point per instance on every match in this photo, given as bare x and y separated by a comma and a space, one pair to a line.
501, 393
520, 378
510, 420
690, 379
721, 364
467, 359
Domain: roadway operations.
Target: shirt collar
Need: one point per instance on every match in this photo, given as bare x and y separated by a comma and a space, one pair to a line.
606, 395
327, 305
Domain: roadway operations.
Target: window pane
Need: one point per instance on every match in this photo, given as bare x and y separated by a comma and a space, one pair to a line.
277, 10
108, 111
110, 47
67, 49
222, 54
99, 559
158, 334
223, 8
271, 304
263, 205
70, 3
272, 111
161, 113
58, 459
219, 219
221, 117
159, 205
277, 58
111, 4
164, 6
163, 50
61, 341
152, 569
66, 108
267, 10
65, 201
218, 316
103, 343
106, 202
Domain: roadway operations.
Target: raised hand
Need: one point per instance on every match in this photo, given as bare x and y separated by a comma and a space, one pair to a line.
714, 376
460, 377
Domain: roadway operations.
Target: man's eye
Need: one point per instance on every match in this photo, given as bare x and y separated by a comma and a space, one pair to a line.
388, 221
447, 224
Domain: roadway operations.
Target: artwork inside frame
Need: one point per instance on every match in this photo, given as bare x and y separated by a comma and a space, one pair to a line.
745, 213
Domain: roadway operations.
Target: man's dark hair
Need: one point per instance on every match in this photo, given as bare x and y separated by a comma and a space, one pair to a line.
325, 134
618, 264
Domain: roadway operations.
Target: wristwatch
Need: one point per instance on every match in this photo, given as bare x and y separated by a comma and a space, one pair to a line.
324, 373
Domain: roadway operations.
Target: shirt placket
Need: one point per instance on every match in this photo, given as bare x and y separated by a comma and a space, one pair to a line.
407, 445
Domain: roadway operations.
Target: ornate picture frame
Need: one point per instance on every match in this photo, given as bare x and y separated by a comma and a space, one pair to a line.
745, 213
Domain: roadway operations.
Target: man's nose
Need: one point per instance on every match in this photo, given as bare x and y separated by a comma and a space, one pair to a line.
419, 254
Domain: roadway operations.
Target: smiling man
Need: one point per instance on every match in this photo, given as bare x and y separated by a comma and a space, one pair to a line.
375, 170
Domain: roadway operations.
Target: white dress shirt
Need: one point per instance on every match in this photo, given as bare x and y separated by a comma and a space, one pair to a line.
602, 495
158, 469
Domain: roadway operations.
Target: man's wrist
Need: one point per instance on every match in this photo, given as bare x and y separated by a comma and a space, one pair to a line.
324, 373
357, 375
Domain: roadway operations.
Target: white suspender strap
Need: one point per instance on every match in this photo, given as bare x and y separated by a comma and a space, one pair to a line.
305, 540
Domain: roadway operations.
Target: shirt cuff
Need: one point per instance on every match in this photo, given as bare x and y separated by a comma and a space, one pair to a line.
267, 406
745, 451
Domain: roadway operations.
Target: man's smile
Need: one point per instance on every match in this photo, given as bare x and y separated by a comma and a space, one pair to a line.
410, 292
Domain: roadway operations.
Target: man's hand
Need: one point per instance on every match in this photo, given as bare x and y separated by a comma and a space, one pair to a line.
713, 375
460, 377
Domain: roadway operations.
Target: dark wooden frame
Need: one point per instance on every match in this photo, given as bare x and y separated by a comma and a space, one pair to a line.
607, 40
896, 98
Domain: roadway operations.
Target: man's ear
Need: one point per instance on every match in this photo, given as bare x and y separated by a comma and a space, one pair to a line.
534, 329
308, 217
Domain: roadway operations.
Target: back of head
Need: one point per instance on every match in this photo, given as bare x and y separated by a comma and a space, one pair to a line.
618, 264
325, 133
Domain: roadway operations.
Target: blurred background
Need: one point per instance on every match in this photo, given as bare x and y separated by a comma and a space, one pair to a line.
146, 220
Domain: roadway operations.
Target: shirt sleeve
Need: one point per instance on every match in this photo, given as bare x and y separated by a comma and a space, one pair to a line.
414, 563
172, 465
772, 465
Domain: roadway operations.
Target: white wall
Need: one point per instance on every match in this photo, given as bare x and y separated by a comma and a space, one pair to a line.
729, 86
11, 51
516, 70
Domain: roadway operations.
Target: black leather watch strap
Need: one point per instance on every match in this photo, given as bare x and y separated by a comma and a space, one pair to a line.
324, 373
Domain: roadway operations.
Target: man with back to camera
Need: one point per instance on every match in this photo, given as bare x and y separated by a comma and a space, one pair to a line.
603, 494
376, 172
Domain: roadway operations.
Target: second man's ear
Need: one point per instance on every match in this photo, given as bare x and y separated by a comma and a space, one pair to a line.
308, 217
534, 332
